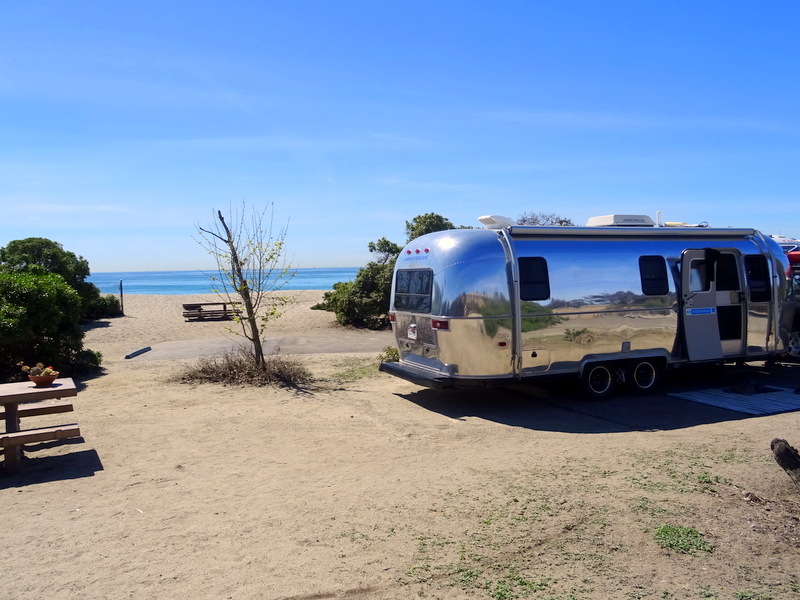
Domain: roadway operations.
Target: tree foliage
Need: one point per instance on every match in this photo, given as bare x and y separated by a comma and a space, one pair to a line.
544, 219
427, 223
384, 250
252, 269
40, 319
41, 256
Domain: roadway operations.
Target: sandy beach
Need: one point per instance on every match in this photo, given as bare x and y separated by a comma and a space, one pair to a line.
366, 486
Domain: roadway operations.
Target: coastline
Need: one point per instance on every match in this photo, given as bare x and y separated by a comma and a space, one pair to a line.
169, 283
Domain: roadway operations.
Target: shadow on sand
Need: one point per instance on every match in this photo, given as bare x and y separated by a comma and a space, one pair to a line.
72, 465
559, 406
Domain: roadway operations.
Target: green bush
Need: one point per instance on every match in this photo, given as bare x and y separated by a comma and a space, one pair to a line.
40, 322
40, 256
389, 354
103, 307
363, 302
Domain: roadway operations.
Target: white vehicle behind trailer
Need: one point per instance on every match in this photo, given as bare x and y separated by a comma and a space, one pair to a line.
617, 301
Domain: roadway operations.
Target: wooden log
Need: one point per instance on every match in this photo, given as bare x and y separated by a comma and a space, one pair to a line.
788, 459
138, 352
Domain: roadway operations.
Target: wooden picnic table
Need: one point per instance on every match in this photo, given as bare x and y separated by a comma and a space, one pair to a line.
24, 392
211, 310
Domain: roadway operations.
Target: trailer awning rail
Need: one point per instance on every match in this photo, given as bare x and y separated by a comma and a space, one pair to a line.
522, 231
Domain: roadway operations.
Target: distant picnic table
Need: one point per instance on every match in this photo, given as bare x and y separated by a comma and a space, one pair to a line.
219, 311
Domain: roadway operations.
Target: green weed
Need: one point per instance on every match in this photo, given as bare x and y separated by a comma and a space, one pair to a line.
684, 540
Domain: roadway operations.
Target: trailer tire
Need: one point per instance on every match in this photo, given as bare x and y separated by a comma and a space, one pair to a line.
643, 376
598, 381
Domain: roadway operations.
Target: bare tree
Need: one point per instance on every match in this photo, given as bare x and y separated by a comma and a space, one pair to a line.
544, 219
251, 266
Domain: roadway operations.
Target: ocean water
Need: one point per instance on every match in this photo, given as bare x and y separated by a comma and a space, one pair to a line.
169, 283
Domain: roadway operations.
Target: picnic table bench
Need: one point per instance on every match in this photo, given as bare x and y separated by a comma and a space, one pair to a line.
38, 402
200, 311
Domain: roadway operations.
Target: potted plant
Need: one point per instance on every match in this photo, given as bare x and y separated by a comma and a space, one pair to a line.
40, 375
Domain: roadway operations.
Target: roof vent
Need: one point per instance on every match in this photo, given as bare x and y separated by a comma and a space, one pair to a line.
496, 221
621, 221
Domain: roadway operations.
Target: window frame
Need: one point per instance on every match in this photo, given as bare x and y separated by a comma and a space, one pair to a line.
533, 289
416, 301
765, 289
653, 283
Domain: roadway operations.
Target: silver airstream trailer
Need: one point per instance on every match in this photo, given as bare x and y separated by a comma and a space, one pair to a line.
618, 301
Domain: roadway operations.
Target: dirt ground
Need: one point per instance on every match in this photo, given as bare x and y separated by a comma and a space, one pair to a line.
366, 486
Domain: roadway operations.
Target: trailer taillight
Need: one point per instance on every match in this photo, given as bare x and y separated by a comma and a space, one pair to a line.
440, 325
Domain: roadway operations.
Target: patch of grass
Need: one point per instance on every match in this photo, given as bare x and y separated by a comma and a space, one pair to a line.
684, 540
353, 369
671, 471
239, 368
646, 505
748, 595
514, 586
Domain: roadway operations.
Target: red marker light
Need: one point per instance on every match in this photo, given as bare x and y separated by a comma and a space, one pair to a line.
440, 325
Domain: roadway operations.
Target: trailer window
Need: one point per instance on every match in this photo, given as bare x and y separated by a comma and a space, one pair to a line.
413, 290
653, 272
758, 282
534, 282
698, 276
727, 273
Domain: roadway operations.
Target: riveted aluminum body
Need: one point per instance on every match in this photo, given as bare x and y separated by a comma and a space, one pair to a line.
597, 308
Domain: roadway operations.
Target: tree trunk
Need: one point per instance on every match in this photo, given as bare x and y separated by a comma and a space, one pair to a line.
244, 291
788, 458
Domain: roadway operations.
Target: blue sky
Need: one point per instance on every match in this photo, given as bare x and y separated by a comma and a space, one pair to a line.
123, 125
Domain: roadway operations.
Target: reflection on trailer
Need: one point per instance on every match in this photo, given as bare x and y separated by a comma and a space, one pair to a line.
617, 301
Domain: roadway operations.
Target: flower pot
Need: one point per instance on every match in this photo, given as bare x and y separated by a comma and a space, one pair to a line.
43, 380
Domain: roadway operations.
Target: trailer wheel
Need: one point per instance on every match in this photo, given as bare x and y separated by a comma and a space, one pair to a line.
598, 381
643, 376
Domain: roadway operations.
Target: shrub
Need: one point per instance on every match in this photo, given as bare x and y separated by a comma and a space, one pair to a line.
41, 256
363, 302
389, 354
239, 368
40, 322
103, 307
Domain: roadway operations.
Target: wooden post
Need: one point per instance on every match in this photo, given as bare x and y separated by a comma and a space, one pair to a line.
788, 458
12, 454
121, 300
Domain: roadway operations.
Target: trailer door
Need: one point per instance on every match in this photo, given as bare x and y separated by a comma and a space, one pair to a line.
712, 304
